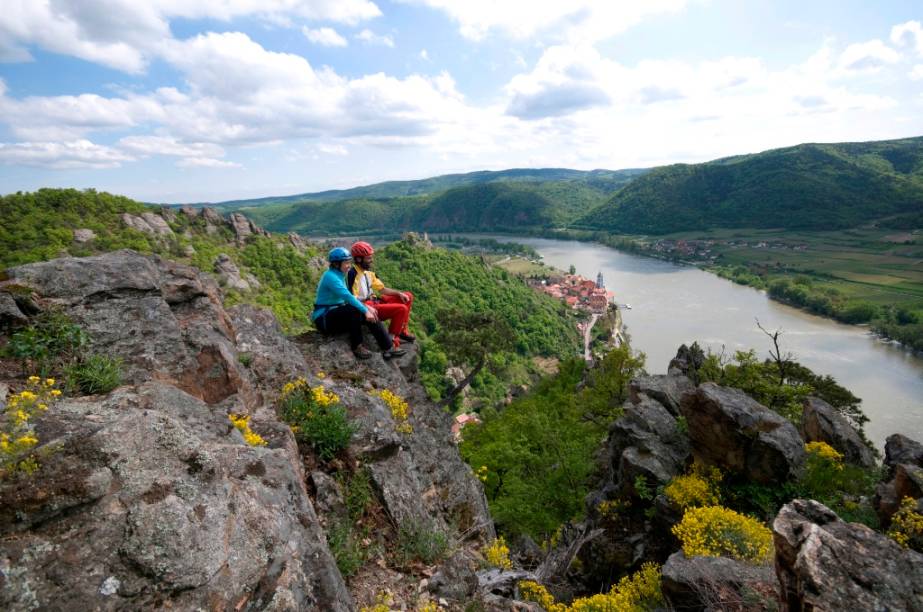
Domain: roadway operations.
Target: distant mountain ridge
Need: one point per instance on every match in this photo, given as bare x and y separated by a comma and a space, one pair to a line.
808, 186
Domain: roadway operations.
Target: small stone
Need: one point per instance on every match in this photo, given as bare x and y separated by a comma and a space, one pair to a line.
84, 235
110, 586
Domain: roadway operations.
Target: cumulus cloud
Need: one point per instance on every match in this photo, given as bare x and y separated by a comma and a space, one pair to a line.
908, 34
326, 37
166, 145
916, 73
62, 155
369, 37
125, 34
580, 20
869, 56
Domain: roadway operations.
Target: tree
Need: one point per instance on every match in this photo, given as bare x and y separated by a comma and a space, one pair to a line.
469, 339
572, 269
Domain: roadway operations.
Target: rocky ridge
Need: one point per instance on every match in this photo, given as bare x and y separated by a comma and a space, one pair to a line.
148, 497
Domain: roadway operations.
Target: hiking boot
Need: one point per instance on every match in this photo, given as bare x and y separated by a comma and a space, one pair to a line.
407, 338
394, 352
362, 353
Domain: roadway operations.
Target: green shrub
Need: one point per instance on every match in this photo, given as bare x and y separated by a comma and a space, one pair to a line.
347, 548
94, 375
316, 417
421, 542
51, 339
357, 493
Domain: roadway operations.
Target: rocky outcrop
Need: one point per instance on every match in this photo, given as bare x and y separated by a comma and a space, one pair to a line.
147, 222
244, 227
84, 235
903, 478
229, 275
149, 497
164, 320
824, 563
731, 430
10, 314
698, 584
668, 390
687, 362
420, 476
821, 422
456, 579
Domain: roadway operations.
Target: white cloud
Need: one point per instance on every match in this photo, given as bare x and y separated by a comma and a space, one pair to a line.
205, 162
581, 20
125, 34
166, 145
424, 55
916, 74
62, 155
869, 56
326, 37
369, 37
332, 149
909, 33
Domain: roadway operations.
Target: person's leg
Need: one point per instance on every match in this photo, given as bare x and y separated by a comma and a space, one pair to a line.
380, 333
397, 313
346, 319
393, 299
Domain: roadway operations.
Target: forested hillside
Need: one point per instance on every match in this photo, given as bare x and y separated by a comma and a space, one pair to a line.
810, 186
52, 223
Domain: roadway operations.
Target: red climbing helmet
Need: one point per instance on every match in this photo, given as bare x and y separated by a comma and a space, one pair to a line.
361, 249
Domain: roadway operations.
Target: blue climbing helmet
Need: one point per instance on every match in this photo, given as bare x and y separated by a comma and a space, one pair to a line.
338, 254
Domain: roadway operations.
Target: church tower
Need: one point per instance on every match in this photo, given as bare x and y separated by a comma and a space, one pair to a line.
599, 281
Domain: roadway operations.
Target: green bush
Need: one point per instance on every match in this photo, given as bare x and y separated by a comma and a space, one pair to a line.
421, 542
44, 344
94, 375
347, 548
316, 417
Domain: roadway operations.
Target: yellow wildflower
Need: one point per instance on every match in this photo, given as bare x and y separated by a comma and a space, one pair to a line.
55, 393
907, 523
399, 408
28, 396
635, 593
242, 424
49, 382
321, 375
34, 380
498, 554
714, 531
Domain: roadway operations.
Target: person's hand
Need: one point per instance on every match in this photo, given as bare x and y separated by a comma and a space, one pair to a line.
404, 297
371, 315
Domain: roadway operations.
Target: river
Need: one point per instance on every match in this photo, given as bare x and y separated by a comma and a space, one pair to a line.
673, 304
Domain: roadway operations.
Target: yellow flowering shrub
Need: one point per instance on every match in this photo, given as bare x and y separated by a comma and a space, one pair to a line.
315, 416
907, 525
714, 531
481, 473
400, 410
610, 509
242, 424
700, 487
17, 433
824, 451
498, 554
636, 593
429, 606
382, 603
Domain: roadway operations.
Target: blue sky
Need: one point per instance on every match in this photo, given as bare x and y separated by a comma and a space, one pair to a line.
192, 100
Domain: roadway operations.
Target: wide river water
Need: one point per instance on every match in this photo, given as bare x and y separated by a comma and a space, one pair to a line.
673, 304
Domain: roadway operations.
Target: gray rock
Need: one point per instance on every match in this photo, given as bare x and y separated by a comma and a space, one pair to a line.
157, 224
241, 226
163, 319
687, 362
211, 216
229, 273
456, 579
668, 390
297, 241
824, 563
328, 497
645, 442
148, 501
822, 423
901, 449
168, 213
84, 235
10, 314
137, 223
4, 392
273, 359
729, 429
504, 583
718, 583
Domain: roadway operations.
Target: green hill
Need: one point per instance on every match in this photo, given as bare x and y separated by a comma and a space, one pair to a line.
809, 186
501, 204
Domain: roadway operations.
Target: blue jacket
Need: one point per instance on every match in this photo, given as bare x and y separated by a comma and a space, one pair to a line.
332, 291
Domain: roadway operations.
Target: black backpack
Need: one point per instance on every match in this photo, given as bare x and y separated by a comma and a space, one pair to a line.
351, 279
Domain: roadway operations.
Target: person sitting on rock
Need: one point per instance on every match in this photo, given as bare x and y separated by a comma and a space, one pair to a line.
337, 311
389, 304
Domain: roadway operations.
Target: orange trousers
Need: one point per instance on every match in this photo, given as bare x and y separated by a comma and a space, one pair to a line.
390, 307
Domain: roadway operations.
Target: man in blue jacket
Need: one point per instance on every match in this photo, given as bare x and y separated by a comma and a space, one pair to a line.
336, 310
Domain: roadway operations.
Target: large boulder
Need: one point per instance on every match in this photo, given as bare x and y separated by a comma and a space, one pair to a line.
164, 320
148, 498
733, 431
822, 423
666, 389
229, 274
687, 361
698, 584
904, 476
10, 314
824, 563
